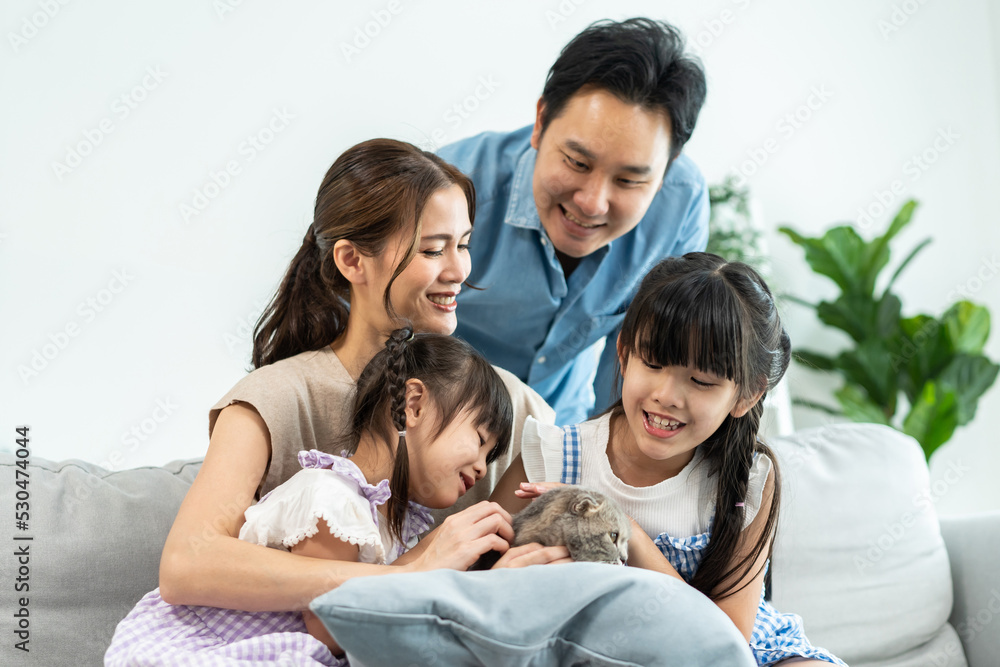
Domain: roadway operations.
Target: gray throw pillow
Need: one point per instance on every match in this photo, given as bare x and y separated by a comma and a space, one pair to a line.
573, 614
859, 553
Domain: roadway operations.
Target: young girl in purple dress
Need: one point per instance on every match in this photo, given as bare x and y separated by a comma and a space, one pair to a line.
430, 414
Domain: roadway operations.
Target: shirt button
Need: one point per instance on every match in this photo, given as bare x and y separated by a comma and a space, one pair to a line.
541, 359
545, 241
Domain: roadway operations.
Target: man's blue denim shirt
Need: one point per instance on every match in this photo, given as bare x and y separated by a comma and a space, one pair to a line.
529, 318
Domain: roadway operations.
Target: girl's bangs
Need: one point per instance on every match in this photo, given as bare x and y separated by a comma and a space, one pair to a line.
488, 393
694, 323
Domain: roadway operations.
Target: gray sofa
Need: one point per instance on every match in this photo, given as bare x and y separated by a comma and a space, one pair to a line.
860, 554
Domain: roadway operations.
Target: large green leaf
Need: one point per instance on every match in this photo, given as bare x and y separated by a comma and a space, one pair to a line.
844, 257
933, 418
840, 315
858, 407
848, 251
887, 315
912, 325
901, 220
967, 327
838, 255
869, 365
969, 376
860, 317
877, 252
926, 349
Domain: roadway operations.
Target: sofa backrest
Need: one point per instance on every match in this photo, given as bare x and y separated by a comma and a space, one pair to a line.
95, 550
859, 553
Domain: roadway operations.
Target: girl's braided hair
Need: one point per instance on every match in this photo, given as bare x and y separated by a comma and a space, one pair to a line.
456, 378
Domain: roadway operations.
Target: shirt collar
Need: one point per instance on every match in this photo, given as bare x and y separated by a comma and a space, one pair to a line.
521, 209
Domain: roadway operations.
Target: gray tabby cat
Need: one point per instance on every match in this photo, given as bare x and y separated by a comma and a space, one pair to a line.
592, 526
589, 524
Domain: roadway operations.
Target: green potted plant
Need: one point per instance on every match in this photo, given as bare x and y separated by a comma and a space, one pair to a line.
732, 232
931, 368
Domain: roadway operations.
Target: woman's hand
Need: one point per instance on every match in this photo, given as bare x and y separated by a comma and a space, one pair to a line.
529, 490
533, 554
462, 538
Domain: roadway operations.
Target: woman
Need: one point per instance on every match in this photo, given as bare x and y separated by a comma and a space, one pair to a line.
389, 240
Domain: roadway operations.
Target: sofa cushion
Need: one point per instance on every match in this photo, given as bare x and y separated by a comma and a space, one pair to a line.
572, 614
95, 550
859, 553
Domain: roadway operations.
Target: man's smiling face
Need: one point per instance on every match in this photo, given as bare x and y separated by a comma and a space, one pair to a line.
600, 163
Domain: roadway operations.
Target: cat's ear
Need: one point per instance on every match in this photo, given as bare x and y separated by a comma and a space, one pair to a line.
585, 505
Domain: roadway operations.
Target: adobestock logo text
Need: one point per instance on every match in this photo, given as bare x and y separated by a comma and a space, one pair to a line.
121, 108
87, 310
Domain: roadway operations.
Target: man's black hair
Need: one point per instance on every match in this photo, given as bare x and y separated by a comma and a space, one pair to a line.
640, 61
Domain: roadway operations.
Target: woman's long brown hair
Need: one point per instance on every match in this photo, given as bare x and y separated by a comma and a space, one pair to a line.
373, 191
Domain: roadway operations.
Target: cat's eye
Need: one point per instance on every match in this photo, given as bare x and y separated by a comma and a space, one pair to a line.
614, 536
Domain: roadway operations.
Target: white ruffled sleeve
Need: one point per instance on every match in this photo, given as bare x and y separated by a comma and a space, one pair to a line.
759, 471
542, 451
292, 512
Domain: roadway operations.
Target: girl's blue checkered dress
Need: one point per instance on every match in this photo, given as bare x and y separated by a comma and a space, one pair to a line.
776, 636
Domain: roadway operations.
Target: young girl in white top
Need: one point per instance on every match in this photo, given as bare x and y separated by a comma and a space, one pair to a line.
430, 414
700, 346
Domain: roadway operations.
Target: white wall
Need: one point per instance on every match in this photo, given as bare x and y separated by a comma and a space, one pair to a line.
176, 331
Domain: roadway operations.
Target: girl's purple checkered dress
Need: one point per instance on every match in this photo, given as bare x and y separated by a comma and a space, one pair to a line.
157, 633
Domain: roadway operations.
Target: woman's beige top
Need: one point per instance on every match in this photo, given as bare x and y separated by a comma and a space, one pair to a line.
306, 402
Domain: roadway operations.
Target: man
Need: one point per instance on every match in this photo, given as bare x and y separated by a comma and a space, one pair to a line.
573, 211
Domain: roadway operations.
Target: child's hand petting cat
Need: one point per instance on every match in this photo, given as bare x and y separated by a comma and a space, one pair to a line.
533, 490
461, 538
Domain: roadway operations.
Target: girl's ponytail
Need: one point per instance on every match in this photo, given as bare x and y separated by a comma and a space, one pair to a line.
396, 375
733, 448
309, 310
